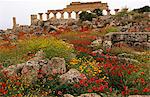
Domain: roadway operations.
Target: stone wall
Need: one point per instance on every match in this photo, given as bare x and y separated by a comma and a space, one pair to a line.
137, 39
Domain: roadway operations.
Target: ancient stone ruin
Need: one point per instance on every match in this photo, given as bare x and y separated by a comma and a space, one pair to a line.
136, 39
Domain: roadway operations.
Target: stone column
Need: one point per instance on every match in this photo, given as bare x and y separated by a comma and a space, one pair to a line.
47, 15
108, 12
41, 17
33, 17
14, 22
77, 14
69, 15
62, 15
55, 14
116, 11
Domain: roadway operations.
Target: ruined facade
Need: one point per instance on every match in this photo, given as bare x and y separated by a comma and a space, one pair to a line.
79, 7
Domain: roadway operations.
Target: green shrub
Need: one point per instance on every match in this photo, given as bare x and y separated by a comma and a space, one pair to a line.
86, 16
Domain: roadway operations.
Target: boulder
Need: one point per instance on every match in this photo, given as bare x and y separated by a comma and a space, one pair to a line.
72, 76
57, 65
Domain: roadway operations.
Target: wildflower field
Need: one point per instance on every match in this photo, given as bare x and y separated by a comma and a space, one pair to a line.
103, 73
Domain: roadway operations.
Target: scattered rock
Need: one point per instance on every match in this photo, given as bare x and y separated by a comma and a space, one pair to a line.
100, 51
97, 42
128, 60
125, 55
68, 95
107, 44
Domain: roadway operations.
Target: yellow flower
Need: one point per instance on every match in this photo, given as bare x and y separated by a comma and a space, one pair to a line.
104, 77
74, 61
81, 67
99, 71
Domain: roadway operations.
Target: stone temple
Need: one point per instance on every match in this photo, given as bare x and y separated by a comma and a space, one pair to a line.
78, 7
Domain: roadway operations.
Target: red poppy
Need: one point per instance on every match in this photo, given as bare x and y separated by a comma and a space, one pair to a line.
101, 88
110, 89
18, 83
99, 81
136, 91
82, 82
76, 85
142, 73
146, 90
85, 84
89, 90
94, 88
3, 85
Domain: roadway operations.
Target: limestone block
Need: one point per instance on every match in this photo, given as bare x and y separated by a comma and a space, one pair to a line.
72, 76
57, 65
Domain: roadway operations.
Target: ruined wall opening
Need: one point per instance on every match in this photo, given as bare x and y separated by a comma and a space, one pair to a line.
73, 15
66, 15
51, 15
58, 15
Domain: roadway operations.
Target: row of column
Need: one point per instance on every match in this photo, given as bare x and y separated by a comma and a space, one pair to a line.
55, 15
69, 13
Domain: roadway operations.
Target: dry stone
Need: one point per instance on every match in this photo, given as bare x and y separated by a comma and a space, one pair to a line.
57, 65
100, 51
97, 42
72, 76
107, 44
68, 95
89, 95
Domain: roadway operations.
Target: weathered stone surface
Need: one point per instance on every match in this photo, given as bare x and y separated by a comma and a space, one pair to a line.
57, 65
89, 95
97, 42
125, 55
107, 44
139, 95
128, 60
68, 95
136, 39
27, 70
72, 76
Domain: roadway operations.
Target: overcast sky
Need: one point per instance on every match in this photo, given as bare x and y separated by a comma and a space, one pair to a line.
22, 9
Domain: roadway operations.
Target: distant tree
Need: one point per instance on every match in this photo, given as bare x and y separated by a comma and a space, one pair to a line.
86, 16
143, 9
98, 12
